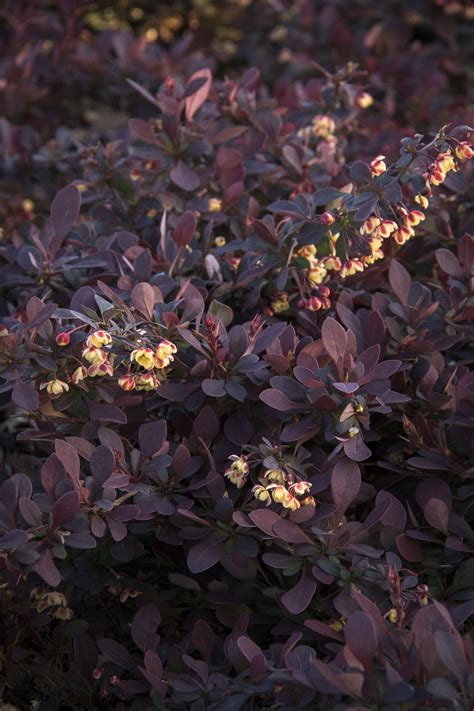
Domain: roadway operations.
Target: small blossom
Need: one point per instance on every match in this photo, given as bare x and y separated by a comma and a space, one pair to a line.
378, 166
280, 302
308, 501
144, 357
370, 224
414, 217
309, 252
127, 382
28, 205
327, 218
422, 200
317, 274
337, 625
422, 594
63, 613
214, 205
278, 493
323, 126
79, 374
3, 330
95, 356
261, 493
147, 381
55, 387
163, 354
276, 475
98, 339
63, 339
464, 151
290, 502
56, 598
100, 369
353, 432
220, 241
97, 672
363, 100
300, 487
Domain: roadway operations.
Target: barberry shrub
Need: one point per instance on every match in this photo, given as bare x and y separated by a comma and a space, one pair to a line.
235, 354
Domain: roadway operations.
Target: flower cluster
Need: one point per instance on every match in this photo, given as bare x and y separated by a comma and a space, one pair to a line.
282, 487
105, 353
54, 603
238, 471
341, 251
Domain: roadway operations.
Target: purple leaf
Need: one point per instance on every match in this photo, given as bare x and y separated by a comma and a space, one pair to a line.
213, 388
356, 449
151, 437
265, 519
361, 636
399, 281
46, 569
437, 514
24, 395
448, 262
144, 627
299, 597
203, 556
64, 212
290, 532
345, 483
65, 509
184, 177
117, 654
334, 338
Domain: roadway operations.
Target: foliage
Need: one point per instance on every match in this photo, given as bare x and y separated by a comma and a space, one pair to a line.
235, 359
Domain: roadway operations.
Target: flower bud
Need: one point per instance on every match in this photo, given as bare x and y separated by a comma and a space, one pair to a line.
127, 382
327, 218
464, 151
63, 339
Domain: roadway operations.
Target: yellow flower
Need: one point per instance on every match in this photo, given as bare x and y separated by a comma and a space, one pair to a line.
63, 613
98, 339
56, 387
279, 493
28, 205
147, 381
378, 165
309, 251
100, 369
56, 598
422, 200
353, 432
308, 501
220, 241
364, 100
290, 502
127, 382
464, 151
337, 625
300, 487
280, 303
214, 205
370, 224
323, 126
94, 355
317, 274
144, 357
163, 355
392, 616
261, 493
277, 475
79, 374
236, 478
